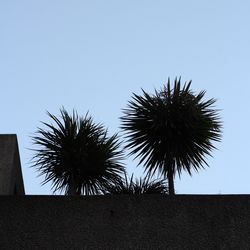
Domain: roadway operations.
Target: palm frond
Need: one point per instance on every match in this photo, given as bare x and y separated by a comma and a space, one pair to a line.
138, 186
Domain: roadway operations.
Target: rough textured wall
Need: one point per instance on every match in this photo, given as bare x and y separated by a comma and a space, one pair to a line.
125, 222
11, 180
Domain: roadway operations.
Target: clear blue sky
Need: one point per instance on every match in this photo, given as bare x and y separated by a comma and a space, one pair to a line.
91, 56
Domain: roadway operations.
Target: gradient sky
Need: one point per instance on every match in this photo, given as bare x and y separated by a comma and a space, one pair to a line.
91, 56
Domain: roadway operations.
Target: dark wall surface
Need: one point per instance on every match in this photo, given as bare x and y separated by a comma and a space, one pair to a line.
125, 222
11, 179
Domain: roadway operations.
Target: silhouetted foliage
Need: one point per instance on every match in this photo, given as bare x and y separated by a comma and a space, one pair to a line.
171, 130
138, 186
77, 155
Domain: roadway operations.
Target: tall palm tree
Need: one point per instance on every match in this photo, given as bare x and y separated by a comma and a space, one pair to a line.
171, 130
76, 154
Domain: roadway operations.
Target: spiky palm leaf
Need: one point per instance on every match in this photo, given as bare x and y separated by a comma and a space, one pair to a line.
76, 154
172, 130
138, 186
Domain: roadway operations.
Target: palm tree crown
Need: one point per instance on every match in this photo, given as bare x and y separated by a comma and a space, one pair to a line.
137, 186
171, 130
77, 155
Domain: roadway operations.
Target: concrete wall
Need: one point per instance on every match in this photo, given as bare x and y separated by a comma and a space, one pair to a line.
11, 180
125, 222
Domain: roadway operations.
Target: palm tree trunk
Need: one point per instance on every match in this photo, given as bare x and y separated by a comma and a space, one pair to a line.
170, 176
72, 190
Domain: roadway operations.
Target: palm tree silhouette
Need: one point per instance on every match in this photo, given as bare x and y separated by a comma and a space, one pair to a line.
171, 130
138, 186
77, 155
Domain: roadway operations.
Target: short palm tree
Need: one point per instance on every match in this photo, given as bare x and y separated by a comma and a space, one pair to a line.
77, 155
171, 130
137, 186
